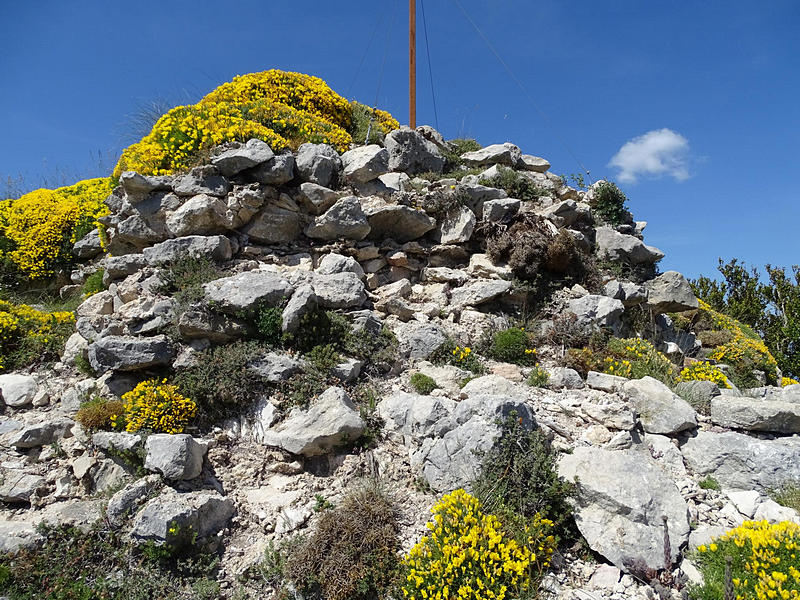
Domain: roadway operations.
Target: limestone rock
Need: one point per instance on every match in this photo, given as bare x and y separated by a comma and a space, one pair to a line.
411, 153
336, 263
18, 487
457, 225
496, 154
339, 290
127, 353
245, 156
479, 292
419, 340
619, 247
303, 301
318, 164
244, 292
199, 215
275, 172
345, 219
273, 225
365, 163
533, 163
597, 311
202, 180
670, 292
42, 434
401, 223
176, 456
124, 502
17, 390
315, 198
660, 409
756, 415
16, 535
177, 517
215, 247
500, 211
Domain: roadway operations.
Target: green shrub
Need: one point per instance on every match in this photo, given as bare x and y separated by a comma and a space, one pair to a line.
221, 379
84, 366
183, 278
450, 353
788, 495
609, 203
379, 352
512, 345
94, 283
324, 358
709, 483
269, 324
353, 552
518, 479
422, 384
319, 328
97, 413
516, 185
457, 147
101, 563
538, 377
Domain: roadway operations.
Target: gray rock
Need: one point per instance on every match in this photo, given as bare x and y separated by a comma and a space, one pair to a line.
274, 367
398, 222
117, 267
218, 328
331, 420
138, 185
137, 232
444, 275
116, 440
365, 163
88, 246
348, 370
597, 311
339, 290
215, 247
564, 377
127, 353
318, 164
336, 263
604, 382
80, 513
75, 346
302, 302
479, 194
42, 434
417, 416
756, 415
629, 293
533, 163
101, 303
245, 292
202, 180
660, 410
178, 517
670, 292
457, 225
419, 340
147, 315
246, 156
479, 292
17, 535
273, 225
621, 502
411, 153
176, 456
345, 219
278, 171
199, 215
618, 247
17, 390
739, 461
500, 211
123, 503
496, 154
244, 203
19, 487
316, 199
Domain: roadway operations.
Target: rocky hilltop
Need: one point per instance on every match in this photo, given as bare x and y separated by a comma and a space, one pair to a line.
276, 327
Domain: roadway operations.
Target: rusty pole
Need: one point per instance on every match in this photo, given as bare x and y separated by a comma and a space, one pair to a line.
412, 63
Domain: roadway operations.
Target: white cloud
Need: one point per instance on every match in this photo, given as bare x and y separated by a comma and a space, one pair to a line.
656, 153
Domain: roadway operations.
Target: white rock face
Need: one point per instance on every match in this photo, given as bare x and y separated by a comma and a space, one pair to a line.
246, 291
496, 154
365, 163
176, 456
660, 409
18, 390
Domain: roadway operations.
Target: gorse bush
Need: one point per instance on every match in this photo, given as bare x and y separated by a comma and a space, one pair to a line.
38, 230
788, 381
512, 345
538, 377
609, 203
635, 358
353, 552
459, 356
94, 283
282, 108
467, 554
100, 413
28, 335
764, 562
704, 372
370, 120
155, 406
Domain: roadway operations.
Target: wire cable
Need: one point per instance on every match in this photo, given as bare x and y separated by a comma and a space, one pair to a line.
366, 52
430, 68
521, 86
385, 53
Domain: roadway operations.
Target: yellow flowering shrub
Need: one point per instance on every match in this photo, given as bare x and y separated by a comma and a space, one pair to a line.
788, 381
635, 358
765, 562
467, 554
157, 406
28, 334
39, 228
284, 109
702, 371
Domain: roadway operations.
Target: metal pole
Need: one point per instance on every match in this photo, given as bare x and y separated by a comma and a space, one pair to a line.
412, 63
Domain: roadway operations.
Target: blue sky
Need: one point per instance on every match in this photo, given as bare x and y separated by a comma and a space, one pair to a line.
706, 95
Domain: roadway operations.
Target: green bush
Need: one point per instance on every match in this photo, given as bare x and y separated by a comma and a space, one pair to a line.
97, 412
709, 483
319, 328
516, 185
379, 352
324, 358
538, 377
422, 384
457, 147
183, 278
518, 479
609, 203
512, 345
450, 353
353, 552
94, 283
269, 324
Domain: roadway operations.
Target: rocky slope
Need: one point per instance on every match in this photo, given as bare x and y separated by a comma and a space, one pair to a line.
378, 235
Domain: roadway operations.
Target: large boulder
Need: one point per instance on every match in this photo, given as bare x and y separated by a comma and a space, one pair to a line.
365, 163
242, 156
178, 517
479, 292
660, 409
17, 390
396, 221
457, 225
419, 340
416, 416
315, 198
176, 456
496, 154
16, 535
215, 247
128, 353
597, 311
318, 163
330, 421
199, 215
303, 301
345, 219
273, 225
670, 292
756, 415
245, 292
339, 290
621, 503
202, 180
619, 247
737, 460
17, 486
411, 153
278, 171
